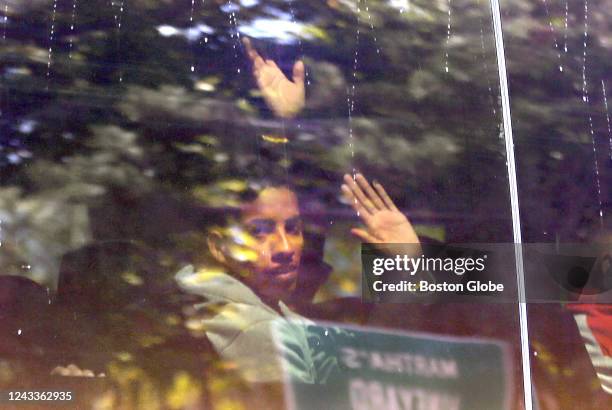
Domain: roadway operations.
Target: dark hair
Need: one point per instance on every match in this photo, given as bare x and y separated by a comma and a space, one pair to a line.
254, 188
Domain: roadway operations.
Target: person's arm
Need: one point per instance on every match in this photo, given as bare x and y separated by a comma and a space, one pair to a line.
283, 96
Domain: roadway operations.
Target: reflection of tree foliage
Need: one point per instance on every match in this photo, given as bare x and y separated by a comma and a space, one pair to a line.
191, 129
310, 352
556, 169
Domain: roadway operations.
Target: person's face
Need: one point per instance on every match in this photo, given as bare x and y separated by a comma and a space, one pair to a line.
273, 220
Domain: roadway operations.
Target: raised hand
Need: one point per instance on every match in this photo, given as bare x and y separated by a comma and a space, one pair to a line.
384, 222
284, 97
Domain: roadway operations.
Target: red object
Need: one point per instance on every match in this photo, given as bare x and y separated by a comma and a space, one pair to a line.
599, 320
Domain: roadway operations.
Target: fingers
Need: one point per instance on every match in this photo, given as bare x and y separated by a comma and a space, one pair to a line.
361, 190
385, 197
364, 236
299, 72
362, 211
249, 47
367, 188
355, 191
254, 56
272, 64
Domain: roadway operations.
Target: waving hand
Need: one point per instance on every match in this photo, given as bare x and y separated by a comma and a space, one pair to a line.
284, 97
384, 223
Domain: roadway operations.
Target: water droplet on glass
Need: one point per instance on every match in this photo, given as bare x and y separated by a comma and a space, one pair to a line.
51, 38
5, 21
350, 92
448, 35
552, 31
565, 31
605, 99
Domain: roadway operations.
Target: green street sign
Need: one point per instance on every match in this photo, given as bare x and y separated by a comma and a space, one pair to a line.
338, 367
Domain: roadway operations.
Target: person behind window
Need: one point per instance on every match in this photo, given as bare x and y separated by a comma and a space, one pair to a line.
257, 249
256, 253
